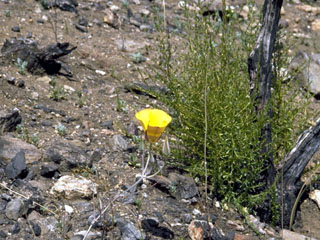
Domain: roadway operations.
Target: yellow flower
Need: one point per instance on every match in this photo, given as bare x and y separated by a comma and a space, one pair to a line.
154, 122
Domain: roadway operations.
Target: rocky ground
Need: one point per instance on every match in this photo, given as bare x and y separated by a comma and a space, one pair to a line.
76, 145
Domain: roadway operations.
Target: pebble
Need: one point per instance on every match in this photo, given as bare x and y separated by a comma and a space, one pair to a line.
14, 209
15, 29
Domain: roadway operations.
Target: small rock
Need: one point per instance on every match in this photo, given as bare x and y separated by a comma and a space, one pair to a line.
49, 170
309, 76
315, 196
100, 72
21, 84
68, 209
117, 142
114, 8
151, 225
35, 228
9, 120
107, 124
12, 80
186, 218
144, 12
146, 28
15, 228
257, 224
128, 230
185, 187
81, 28
77, 237
3, 204
46, 123
15, 29
111, 18
83, 21
236, 225
34, 95
74, 188
199, 230
3, 235
69, 89
15, 209
17, 167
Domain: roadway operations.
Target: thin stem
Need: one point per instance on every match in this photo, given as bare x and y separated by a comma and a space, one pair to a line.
205, 148
143, 176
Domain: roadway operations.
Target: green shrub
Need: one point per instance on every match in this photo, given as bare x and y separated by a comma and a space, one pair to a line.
212, 60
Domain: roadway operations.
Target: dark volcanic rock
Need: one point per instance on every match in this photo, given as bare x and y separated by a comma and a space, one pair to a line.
49, 110
9, 120
151, 225
65, 5
67, 154
15, 228
15, 29
3, 235
179, 186
35, 228
49, 170
39, 60
17, 168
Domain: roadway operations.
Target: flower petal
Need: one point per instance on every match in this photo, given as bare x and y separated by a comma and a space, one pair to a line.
159, 118
143, 117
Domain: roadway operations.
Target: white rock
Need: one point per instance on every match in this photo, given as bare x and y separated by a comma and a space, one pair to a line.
196, 212
71, 187
69, 89
101, 72
315, 196
114, 8
68, 209
34, 95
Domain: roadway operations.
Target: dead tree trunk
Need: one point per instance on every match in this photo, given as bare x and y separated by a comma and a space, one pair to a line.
260, 71
292, 167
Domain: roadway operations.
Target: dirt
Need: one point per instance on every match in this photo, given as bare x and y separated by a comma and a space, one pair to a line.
101, 65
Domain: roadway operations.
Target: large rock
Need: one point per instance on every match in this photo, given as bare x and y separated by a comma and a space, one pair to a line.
9, 147
306, 70
9, 120
69, 154
177, 185
17, 168
71, 187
